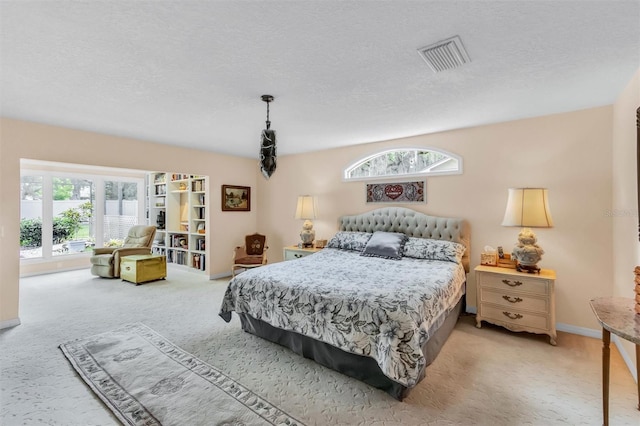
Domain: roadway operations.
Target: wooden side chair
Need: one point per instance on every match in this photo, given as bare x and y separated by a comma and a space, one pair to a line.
252, 255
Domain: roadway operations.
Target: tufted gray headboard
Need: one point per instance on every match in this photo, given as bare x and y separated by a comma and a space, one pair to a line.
412, 223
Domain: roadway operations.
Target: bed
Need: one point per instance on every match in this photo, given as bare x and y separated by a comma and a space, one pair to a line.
376, 304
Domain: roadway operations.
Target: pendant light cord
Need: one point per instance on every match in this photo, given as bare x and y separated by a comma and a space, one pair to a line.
268, 122
267, 99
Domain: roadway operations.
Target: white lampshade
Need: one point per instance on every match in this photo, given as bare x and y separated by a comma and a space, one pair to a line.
306, 208
528, 207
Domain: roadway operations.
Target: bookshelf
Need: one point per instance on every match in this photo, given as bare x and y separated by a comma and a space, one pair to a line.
178, 207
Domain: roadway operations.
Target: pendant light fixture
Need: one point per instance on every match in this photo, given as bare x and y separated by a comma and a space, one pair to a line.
268, 145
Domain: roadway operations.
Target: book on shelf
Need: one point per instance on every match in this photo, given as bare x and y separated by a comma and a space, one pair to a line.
179, 241
197, 186
177, 257
179, 176
198, 261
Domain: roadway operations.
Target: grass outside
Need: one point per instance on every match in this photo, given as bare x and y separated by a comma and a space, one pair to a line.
83, 232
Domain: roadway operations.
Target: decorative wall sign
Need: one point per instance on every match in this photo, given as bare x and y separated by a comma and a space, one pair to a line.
236, 198
400, 192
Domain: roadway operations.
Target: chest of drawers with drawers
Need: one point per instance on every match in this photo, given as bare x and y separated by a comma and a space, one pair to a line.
517, 301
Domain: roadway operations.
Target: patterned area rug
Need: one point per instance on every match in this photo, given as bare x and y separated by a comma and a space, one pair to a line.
146, 380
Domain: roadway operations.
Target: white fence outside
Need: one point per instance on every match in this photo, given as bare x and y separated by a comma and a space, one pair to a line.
117, 227
32, 209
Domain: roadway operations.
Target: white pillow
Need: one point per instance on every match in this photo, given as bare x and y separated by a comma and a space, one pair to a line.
347, 240
425, 248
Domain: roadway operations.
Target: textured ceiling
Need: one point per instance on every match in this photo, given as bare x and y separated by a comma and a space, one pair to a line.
191, 73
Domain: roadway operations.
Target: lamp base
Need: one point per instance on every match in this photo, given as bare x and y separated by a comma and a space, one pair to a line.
307, 235
529, 269
527, 252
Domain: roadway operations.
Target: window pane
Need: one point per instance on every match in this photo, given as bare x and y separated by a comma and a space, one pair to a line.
30, 217
72, 212
120, 210
403, 162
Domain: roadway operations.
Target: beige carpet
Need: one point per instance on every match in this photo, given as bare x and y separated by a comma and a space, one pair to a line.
485, 376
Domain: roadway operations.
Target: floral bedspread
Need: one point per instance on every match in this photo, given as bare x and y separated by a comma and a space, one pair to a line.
381, 308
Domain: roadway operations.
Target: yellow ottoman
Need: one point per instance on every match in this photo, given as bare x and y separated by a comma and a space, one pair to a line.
142, 268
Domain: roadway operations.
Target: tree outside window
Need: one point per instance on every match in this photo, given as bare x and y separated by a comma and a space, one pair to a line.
404, 162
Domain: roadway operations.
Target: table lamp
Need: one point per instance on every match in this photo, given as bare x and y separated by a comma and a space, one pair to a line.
527, 208
306, 209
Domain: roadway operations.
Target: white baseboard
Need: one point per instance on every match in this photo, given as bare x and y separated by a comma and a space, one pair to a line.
71, 268
625, 356
597, 334
589, 332
9, 323
580, 331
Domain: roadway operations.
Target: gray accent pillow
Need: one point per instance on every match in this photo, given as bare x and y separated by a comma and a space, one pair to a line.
388, 245
347, 240
426, 248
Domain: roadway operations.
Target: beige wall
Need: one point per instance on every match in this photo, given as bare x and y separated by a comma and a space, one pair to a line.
19, 139
570, 154
626, 249
580, 156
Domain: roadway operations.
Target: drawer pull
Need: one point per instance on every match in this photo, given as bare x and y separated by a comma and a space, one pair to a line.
515, 283
297, 255
512, 316
511, 299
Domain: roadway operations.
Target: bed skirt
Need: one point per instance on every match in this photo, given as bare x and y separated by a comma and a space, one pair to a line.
360, 367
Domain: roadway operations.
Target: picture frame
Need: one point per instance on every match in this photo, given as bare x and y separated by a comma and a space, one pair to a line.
236, 198
396, 192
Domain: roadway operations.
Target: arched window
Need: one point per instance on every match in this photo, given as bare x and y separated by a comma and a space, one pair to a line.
404, 162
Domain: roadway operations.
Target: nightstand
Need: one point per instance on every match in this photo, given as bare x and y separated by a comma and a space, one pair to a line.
517, 301
294, 252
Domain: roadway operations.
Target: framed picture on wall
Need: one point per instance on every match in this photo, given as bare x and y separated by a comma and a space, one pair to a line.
396, 192
236, 198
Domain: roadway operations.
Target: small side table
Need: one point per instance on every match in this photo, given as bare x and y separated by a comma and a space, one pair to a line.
516, 300
616, 315
295, 252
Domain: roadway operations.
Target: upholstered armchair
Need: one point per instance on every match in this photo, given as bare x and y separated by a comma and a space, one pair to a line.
105, 261
252, 254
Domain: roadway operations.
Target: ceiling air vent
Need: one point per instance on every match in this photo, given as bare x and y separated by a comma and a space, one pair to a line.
445, 55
